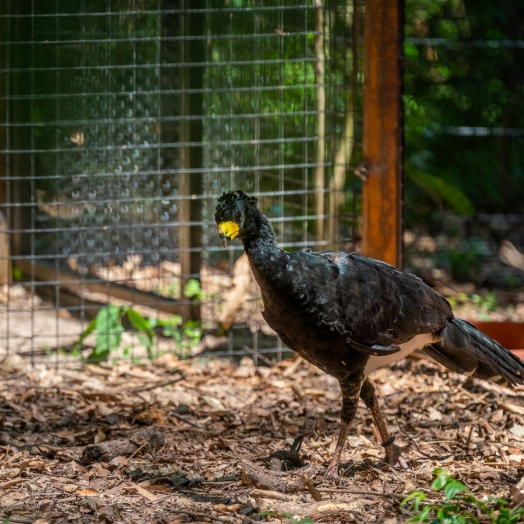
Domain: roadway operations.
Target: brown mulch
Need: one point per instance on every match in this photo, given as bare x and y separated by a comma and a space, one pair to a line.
190, 441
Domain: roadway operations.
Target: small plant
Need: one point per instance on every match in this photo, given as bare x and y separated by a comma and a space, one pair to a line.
487, 303
193, 290
459, 505
484, 304
109, 328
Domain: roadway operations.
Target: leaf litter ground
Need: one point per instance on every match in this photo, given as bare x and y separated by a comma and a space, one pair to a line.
192, 441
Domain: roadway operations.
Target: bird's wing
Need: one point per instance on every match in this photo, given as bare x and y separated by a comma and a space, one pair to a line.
372, 303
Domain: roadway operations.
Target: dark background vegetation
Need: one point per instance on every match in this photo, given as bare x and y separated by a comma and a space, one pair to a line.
464, 135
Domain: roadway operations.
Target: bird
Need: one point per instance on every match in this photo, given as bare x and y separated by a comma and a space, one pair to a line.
348, 315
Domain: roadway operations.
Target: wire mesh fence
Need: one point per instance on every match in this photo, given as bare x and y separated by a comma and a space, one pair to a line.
121, 123
464, 153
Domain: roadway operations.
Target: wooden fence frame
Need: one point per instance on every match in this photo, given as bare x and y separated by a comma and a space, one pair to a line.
383, 131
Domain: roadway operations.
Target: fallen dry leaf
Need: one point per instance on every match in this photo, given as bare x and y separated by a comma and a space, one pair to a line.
201, 458
340, 506
147, 494
86, 492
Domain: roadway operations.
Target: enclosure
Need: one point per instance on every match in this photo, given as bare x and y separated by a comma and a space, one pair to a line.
393, 129
123, 123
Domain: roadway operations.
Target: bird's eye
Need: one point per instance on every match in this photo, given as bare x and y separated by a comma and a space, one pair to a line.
238, 216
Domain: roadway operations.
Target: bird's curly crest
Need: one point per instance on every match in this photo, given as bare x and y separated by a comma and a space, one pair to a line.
232, 196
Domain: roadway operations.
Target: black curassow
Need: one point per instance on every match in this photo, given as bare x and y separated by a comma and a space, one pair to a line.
348, 315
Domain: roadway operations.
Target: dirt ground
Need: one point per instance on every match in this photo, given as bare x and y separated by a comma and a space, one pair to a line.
194, 439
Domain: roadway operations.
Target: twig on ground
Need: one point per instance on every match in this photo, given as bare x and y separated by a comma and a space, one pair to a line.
141, 389
415, 442
135, 452
204, 515
360, 492
183, 419
12, 377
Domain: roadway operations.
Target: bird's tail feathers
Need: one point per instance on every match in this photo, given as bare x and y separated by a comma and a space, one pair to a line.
465, 349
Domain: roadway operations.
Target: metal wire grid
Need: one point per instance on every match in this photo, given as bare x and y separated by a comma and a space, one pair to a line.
490, 145
123, 121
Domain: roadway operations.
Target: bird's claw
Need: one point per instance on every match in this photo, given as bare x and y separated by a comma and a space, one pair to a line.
332, 470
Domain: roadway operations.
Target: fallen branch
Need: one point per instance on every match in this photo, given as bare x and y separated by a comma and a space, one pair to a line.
361, 492
202, 514
283, 482
266, 494
11, 483
183, 419
107, 451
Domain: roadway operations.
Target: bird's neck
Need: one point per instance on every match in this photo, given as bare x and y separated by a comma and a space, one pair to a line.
262, 250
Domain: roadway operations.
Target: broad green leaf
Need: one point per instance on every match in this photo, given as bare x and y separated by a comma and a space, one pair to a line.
109, 331
440, 481
88, 330
453, 196
452, 488
140, 323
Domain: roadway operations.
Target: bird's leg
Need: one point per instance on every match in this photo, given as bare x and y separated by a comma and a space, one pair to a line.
332, 469
350, 393
393, 452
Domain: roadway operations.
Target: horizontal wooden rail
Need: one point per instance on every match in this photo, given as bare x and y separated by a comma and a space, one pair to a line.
74, 283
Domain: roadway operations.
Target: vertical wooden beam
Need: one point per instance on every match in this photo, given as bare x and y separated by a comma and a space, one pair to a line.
320, 79
383, 136
190, 182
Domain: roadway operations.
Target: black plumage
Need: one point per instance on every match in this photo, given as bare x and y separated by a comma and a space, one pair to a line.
348, 314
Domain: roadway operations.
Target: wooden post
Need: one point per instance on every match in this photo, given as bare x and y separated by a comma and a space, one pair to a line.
190, 183
383, 136
320, 79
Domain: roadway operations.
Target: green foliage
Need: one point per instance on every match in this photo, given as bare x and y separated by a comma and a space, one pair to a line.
461, 73
193, 290
109, 328
484, 304
463, 262
444, 191
18, 274
487, 303
459, 505
295, 520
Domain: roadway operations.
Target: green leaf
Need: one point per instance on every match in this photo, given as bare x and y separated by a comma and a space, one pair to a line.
109, 331
140, 323
193, 290
416, 496
453, 196
423, 516
452, 488
441, 480
88, 330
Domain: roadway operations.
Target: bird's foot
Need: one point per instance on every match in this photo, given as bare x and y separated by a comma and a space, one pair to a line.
332, 469
394, 457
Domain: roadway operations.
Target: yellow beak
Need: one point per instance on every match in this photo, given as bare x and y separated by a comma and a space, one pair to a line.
227, 231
